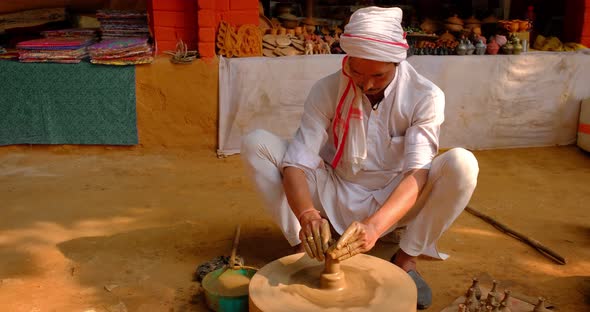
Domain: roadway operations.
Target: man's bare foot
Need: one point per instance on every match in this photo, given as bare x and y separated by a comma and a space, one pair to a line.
404, 261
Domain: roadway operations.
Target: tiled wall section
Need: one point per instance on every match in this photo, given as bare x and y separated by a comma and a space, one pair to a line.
196, 21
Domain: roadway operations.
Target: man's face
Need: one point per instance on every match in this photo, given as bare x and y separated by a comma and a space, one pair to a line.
371, 76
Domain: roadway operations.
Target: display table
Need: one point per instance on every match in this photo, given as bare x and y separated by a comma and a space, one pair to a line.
492, 101
67, 104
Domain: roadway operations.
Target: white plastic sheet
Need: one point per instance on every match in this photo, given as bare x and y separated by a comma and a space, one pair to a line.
496, 101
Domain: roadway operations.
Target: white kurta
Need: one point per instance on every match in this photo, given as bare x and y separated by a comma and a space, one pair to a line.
402, 134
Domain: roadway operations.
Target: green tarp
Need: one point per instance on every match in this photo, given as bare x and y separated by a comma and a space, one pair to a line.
45, 103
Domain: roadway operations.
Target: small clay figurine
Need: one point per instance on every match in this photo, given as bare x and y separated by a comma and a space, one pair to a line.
470, 47
508, 48
462, 48
323, 47
506, 298
475, 286
517, 46
308, 47
493, 297
480, 48
540, 307
482, 306
504, 307
471, 302
493, 47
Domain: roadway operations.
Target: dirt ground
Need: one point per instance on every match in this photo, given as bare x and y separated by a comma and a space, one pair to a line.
115, 229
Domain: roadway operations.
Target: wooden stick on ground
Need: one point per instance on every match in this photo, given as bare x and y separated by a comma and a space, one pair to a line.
532, 242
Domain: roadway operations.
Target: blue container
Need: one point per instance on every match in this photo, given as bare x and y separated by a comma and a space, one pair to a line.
224, 303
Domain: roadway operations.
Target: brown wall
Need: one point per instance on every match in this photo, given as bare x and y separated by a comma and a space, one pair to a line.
177, 104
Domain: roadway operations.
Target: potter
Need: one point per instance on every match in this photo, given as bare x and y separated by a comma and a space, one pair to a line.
365, 157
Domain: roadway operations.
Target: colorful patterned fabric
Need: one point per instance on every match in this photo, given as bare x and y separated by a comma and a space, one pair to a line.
122, 51
114, 44
125, 61
54, 44
70, 33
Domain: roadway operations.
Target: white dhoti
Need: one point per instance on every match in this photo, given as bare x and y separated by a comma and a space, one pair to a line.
451, 181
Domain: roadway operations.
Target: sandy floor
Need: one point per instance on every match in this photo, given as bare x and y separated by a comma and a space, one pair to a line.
76, 223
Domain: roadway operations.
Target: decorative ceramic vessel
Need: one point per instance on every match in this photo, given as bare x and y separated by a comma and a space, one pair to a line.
470, 48
462, 48
493, 47
517, 46
447, 36
429, 26
501, 40
480, 49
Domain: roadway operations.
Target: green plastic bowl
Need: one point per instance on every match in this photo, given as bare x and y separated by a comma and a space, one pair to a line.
224, 303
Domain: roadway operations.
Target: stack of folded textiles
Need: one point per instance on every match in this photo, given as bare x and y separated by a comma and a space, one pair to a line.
116, 24
57, 50
70, 33
8, 54
121, 51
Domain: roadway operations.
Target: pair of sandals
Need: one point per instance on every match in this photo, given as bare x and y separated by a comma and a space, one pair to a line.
424, 291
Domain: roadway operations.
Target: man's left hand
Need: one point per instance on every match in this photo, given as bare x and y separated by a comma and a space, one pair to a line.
358, 238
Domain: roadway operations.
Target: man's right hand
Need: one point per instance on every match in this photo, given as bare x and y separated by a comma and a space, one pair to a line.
315, 234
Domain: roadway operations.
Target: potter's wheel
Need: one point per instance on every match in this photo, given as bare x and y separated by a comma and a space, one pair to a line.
292, 283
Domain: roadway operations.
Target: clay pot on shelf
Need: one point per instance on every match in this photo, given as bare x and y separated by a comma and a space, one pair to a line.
501, 40
492, 47
429, 26
472, 23
289, 20
283, 8
524, 25
453, 27
489, 20
462, 48
480, 48
512, 26
476, 30
447, 36
455, 20
454, 23
508, 48
517, 46
472, 20
470, 48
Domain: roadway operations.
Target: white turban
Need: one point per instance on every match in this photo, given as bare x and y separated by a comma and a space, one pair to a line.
375, 33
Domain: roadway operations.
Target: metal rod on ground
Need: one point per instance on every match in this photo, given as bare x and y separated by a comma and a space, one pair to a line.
534, 243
